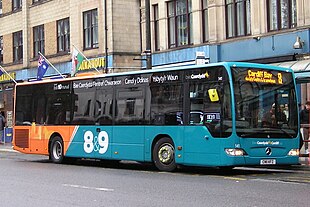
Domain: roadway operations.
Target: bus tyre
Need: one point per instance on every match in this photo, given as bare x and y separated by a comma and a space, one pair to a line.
163, 155
56, 150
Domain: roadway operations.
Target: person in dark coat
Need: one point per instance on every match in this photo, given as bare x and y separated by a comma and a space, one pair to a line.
2, 125
305, 124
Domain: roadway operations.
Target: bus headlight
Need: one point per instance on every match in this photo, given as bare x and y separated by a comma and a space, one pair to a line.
293, 152
235, 152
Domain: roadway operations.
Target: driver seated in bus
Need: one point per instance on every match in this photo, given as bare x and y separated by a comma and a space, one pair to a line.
273, 117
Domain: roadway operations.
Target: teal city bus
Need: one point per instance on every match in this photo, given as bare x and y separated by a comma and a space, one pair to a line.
203, 115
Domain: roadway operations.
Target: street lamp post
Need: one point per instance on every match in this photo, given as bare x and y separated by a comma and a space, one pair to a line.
148, 35
106, 35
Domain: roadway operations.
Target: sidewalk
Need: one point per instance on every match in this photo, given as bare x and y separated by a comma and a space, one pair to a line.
7, 147
305, 161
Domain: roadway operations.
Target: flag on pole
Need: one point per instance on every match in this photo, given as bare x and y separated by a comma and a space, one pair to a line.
42, 67
77, 59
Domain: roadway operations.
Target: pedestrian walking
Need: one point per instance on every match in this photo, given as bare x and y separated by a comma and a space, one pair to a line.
305, 124
2, 125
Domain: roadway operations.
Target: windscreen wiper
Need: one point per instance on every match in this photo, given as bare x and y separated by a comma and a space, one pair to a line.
282, 130
285, 132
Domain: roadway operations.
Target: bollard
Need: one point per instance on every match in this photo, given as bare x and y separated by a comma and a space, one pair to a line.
303, 127
308, 141
3, 135
2, 139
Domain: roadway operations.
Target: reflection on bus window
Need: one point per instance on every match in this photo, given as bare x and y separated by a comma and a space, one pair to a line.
210, 103
167, 105
263, 108
37, 106
57, 109
130, 106
103, 107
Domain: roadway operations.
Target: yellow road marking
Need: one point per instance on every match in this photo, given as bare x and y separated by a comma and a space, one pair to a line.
234, 178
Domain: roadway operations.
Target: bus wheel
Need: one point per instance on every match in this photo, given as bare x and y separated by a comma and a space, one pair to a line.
163, 155
56, 150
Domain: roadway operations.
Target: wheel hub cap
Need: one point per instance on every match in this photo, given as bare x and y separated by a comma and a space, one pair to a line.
57, 150
165, 154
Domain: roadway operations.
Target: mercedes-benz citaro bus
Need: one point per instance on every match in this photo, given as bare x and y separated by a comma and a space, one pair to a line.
221, 115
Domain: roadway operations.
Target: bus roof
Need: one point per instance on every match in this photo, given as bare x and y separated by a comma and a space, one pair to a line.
164, 69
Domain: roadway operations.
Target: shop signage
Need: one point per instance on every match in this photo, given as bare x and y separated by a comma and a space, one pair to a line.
93, 63
4, 77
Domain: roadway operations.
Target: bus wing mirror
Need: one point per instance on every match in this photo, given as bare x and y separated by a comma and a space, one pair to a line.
213, 95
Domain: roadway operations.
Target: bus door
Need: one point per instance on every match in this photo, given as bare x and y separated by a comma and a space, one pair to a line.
199, 144
209, 123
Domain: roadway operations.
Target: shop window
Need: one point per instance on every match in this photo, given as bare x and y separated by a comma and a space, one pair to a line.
282, 14
156, 27
1, 49
36, 1
16, 4
238, 18
0, 8
63, 35
38, 40
205, 20
18, 46
179, 14
90, 29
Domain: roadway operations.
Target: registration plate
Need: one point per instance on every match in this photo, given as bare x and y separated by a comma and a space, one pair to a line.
268, 162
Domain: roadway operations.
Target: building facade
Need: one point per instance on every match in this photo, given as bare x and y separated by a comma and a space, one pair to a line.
263, 31
105, 31
113, 35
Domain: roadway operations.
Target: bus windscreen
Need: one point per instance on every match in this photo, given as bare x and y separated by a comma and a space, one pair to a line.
264, 103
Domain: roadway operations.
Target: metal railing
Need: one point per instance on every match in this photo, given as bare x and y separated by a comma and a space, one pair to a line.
307, 126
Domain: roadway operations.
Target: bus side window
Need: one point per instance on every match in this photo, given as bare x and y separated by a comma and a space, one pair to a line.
58, 116
58, 109
19, 117
40, 103
84, 104
97, 109
130, 106
167, 104
23, 114
103, 107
